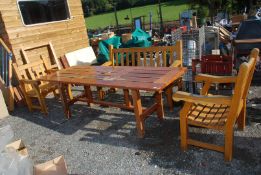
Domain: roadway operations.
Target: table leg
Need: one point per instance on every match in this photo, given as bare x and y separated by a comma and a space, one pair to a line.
88, 93
63, 94
138, 112
126, 97
160, 111
69, 91
169, 94
101, 93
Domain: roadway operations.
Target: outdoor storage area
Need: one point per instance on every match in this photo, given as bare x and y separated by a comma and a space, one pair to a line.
144, 96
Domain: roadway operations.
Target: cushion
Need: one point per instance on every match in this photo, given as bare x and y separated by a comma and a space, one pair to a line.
85, 56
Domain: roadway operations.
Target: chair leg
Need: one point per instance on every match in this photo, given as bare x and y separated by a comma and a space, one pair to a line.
29, 103
43, 105
184, 127
229, 144
183, 134
241, 121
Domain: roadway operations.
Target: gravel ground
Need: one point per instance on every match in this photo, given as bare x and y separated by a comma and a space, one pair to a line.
102, 140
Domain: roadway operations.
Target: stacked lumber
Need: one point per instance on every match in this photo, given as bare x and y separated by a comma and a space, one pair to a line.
224, 34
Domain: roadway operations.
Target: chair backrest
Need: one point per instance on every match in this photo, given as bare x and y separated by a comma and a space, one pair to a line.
31, 71
216, 64
160, 56
43, 50
243, 82
85, 56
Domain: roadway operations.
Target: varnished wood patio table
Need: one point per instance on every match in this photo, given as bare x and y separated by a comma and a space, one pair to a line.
155, 79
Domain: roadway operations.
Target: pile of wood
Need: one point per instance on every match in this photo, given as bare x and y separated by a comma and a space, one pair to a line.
224, 34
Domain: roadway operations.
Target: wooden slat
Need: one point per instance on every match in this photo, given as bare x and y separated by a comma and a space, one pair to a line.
127, 59
133, 58
151, 59
138, 59
122, 59
164, 57
156, 55
144, 59
117, 59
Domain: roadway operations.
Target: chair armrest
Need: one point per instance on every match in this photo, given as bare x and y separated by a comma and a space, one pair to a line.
215, 79
32, 82
176, 63
108, 63
192, 98
49, 71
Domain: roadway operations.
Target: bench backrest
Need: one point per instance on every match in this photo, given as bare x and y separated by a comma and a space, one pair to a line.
160, 56
85, 56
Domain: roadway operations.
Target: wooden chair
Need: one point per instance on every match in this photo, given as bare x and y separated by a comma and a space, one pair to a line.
215, 111
27, 75
160, 56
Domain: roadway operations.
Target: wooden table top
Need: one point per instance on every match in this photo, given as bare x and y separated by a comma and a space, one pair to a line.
124, 77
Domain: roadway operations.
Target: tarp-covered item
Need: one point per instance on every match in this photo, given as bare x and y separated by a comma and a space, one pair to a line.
140, 38
249, 29
103, 55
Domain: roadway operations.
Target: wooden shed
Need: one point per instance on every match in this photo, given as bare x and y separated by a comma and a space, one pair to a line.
30, 24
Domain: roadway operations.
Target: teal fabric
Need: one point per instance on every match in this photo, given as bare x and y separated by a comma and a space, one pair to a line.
140, 38
103, 55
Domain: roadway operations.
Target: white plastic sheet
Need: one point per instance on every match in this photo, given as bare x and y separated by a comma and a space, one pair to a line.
11, 162
6, 135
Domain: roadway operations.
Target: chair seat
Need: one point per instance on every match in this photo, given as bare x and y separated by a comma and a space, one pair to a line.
208, 116
44, 89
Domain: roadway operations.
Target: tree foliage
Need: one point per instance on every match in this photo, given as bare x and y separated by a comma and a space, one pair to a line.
230, 6
91, 7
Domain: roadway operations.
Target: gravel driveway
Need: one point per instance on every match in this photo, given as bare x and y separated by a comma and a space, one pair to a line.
102, 140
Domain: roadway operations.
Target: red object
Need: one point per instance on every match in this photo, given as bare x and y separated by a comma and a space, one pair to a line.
183, 28
216, 64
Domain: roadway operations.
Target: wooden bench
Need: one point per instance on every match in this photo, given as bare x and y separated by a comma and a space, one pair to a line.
161, 56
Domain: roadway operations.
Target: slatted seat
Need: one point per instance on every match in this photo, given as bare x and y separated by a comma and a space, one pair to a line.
208, 116
216, 111
28, 75
44, 89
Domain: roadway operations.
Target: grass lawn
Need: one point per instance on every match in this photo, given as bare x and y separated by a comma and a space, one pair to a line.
170, 11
